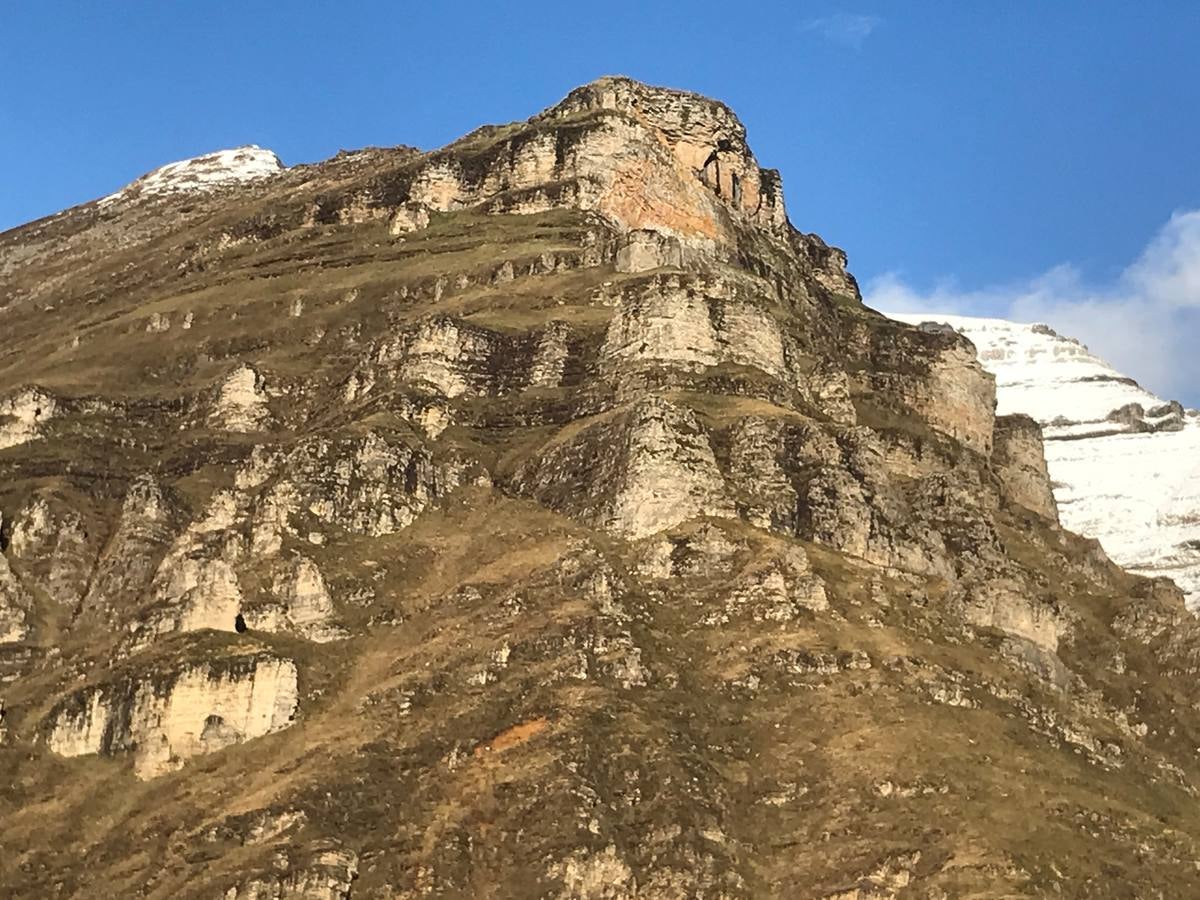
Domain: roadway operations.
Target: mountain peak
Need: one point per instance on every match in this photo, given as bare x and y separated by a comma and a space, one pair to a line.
671, 109
209, 172
705, 137
647, 158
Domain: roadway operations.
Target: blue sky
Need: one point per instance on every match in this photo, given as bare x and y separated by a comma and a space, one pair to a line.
966, 154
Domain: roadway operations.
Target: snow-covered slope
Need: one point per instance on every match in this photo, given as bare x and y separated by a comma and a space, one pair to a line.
203, 173
1125, 463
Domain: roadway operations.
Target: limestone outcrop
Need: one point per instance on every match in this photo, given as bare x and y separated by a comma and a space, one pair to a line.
14, 605
643, 250
662, 473
647, 160
1020, 460
23, 414
196, 585
144, 529
163, 721
693, 324
303, 604
936, 375
704, 137
51, 546
241, 403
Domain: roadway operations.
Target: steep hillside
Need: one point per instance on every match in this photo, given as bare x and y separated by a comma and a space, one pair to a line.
544, 516
1125, 463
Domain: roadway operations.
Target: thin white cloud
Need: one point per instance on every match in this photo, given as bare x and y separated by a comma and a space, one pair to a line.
1146, 322
844, 29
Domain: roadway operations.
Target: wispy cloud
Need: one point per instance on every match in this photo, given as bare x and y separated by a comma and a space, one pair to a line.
844, 29
1145, 322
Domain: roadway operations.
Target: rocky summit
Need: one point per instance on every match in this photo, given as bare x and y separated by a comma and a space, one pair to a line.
544, 516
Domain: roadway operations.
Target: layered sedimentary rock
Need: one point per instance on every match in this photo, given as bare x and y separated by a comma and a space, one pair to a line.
1020, 460
663, 471
544, 516
1123, 462
326, 875
164, 720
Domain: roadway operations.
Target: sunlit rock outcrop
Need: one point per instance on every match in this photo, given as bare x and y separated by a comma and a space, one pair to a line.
164, 720
241, 403
1020, 460
14, 605
325, 875
23, 414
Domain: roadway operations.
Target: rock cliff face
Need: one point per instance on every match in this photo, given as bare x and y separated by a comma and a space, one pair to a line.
1125, 464
544, 516
1020, 460
163, 722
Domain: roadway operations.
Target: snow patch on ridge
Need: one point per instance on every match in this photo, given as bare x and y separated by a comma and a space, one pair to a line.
1125, 463
203, 173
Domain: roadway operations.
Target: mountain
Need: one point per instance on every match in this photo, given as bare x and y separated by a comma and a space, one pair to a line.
544, 516
1125, 463
202, 174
